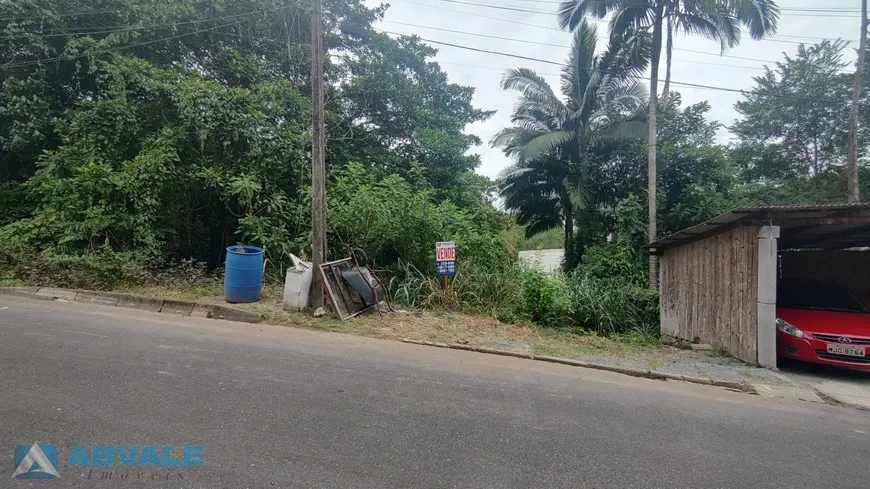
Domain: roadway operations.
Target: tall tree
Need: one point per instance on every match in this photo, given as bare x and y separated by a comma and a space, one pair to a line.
794, 119
854, 194
717, 20
551, 137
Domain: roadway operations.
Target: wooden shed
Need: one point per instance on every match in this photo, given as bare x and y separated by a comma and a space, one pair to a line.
718, 280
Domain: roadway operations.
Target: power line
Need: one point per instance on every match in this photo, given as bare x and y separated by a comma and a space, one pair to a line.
482, 35
526, 41
98, 12
474, 14
520, 9
483, 16
529, 58
781, 9
500, 38
138, 44
122, 28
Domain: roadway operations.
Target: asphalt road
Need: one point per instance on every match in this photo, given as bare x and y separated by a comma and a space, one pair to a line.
278, 407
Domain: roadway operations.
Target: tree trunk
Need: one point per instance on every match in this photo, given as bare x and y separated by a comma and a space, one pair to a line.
669, 52
852, 157
570, 261
653, 109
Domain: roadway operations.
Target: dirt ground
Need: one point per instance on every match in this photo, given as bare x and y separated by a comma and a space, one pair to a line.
482, 331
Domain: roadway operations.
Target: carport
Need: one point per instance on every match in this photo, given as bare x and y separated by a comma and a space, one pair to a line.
718, 279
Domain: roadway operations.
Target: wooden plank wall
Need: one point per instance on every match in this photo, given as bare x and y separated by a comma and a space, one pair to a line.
709, 292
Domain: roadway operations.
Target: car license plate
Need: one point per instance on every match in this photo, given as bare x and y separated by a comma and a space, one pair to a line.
851, 351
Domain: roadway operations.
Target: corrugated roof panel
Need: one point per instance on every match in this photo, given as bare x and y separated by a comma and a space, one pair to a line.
779, 213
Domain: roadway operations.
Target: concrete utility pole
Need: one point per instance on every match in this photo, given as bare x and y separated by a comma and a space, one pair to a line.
852, 157
318, 155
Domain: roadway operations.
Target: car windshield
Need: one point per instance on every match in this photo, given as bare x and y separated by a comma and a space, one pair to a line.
826, 298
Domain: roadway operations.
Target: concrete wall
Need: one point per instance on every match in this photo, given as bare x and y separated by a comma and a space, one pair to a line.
710, 292
548, 261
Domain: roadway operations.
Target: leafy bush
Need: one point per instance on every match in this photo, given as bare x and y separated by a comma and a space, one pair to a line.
623, 257
13, 202
512, 293
609, 292
99, 269
474, 288
613, 306
544, 299
397, 220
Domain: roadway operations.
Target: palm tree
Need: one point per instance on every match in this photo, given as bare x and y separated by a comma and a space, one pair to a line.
718, 20
550, 136
536, 192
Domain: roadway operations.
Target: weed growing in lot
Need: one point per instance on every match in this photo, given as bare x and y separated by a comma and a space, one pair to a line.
515, 294
641, 336
545, 299
719, 352
474, 287
614, 307
747, 374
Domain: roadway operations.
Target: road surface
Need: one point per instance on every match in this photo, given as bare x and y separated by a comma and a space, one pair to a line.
280, 407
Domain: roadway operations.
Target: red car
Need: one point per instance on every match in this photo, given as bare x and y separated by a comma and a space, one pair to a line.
822, 324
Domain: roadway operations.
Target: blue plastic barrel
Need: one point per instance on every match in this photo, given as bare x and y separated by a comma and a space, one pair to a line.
243, 275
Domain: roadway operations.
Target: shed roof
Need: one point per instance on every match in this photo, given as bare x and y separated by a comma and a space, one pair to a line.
833, 227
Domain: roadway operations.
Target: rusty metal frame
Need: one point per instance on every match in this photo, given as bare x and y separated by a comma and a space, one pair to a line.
339, 299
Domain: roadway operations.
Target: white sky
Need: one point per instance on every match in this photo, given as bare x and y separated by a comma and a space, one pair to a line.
483, 71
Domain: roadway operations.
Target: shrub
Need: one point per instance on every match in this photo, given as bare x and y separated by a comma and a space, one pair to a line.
99, 269
475, 287
397, 220
545, 299
613, 306
609, 292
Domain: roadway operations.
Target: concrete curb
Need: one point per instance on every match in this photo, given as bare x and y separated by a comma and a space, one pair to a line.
649, 374
132, 301
183, 308
836, 401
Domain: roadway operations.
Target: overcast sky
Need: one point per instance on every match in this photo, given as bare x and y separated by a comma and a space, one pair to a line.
433, 19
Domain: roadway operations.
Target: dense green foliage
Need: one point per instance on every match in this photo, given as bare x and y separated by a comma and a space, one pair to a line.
135, 134
398, 220
607, 294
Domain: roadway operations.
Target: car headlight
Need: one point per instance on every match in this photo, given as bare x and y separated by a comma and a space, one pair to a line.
787, 328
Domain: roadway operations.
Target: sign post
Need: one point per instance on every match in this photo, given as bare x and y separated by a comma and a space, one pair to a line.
445, 261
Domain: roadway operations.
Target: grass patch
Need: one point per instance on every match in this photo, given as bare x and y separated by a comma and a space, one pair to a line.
640, 337
424, 325
207, 289
719, 352
577, 344
10, 282
746, 373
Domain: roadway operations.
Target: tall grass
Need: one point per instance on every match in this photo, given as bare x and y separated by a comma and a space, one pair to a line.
609, 307
474, 287
613, 306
